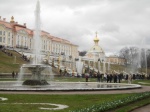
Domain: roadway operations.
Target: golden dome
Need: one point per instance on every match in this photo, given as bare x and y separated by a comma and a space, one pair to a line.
96, 40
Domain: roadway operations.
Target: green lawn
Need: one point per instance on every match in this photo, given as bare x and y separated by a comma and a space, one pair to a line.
73, 101
142, 82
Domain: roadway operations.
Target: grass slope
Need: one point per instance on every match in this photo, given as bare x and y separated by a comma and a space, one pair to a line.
7, 64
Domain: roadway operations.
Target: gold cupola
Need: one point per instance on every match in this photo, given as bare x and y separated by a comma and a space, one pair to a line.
12, 19
96, 40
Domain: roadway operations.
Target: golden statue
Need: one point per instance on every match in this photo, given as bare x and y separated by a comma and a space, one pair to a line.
12, 19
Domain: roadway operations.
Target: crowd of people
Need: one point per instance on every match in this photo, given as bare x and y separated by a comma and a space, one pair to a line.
25, 58
1, 47
14, 75
114, 77
109, 77
6, 52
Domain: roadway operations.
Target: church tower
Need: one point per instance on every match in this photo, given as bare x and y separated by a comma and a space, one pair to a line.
96, 51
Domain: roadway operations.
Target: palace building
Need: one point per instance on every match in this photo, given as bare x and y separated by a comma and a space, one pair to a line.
17, 36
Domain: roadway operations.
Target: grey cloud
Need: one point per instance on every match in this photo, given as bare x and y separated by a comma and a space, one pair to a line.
109, 27
73, 4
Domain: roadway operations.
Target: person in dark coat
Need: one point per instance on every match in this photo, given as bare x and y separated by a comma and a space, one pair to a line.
60, 71
16, 76
86, 78
133, 76
115, 78
108, 78
119, 77
13, 74
98, 76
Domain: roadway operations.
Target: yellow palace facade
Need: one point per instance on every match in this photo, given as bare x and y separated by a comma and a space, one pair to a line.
17, 36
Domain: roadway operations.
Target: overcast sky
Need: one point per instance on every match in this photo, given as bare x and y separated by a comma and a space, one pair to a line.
119, 23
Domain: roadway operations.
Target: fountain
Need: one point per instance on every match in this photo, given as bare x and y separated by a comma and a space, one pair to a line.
79, 66
36, 67
36, 75
140, 60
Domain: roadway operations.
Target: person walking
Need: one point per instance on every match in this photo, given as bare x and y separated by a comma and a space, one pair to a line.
16, 76
13, 74
115, 78
108, 78
60, 71
119, 77
129, 79
105, 77
111, 77
98, 76
86, 77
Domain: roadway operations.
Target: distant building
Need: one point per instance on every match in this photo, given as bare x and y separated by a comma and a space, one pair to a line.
18, 36
95, 58
96, 52
115, 60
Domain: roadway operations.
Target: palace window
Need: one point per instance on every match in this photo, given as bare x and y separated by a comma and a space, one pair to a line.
4, 40
30, 45
4, 33
0, 32
8, 40
9, 34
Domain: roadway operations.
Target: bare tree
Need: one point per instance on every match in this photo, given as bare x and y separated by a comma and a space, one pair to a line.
136, 57
133, 56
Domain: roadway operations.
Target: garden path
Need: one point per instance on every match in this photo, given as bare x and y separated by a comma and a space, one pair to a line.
142, 109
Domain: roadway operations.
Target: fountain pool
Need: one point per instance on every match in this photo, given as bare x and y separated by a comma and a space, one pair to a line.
67, 86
